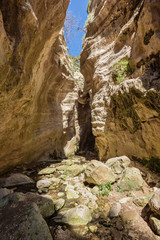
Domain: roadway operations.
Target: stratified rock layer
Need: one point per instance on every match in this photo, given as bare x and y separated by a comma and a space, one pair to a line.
125, 99
37, 94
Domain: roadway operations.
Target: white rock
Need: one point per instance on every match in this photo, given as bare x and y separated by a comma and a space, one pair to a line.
79, 215
125, 200
71, 194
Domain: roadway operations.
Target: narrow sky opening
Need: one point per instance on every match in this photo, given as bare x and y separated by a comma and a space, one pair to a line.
78, 8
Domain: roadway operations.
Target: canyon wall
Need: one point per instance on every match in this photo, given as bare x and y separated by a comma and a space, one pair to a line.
37, 90
121, 65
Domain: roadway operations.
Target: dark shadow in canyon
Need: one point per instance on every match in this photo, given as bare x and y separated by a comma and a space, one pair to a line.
87, 139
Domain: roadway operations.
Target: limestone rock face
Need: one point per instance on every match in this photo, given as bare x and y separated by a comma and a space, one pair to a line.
37, 91
120, 61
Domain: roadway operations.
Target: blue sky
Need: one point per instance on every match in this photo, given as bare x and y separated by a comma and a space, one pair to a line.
79, 10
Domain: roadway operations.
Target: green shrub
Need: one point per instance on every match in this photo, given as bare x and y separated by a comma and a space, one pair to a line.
71, 155
120, 191
153, 163
121, 70
75, 64
84, 36
105, 188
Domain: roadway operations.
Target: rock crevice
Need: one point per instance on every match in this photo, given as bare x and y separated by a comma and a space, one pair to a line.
120, 64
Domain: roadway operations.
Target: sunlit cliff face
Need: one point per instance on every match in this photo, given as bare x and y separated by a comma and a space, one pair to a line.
120, 63
37, 93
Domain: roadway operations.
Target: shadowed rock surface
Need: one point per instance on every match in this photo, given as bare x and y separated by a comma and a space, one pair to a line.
37, 91
120, 62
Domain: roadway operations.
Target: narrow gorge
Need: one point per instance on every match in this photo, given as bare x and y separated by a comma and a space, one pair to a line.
80, 146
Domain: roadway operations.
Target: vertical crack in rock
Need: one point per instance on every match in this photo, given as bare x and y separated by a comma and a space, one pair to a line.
87, 139
120, 64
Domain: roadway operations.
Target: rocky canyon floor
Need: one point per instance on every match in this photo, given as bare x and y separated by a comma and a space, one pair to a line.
80, 198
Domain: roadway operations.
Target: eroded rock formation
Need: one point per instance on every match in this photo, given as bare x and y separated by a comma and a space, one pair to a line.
37, 91
120, 62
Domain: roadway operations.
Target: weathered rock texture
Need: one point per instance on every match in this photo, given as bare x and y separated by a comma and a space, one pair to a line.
125, 116
37, 94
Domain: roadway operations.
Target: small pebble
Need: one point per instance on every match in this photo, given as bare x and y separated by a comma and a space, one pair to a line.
93, 229
61, 194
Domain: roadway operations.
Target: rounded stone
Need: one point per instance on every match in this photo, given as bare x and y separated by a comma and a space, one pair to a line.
154, 202
80, 215
131, 180
115, 210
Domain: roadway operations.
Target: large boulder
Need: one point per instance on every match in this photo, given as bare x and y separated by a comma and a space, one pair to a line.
98, 173
131, 180
22, 216
45, 204
118, 164
135, 225
154, 202
141, 201
74, 170
79, 215
59, 203
4, 192
11, 198
17, 179
155, 224
23, 221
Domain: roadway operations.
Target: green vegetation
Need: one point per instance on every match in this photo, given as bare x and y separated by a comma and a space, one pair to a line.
75, 68
71, 155
123, 109
89, 19
75, 64
121, 70
120, 191
105, 188
84, 36
153, 163
152, 100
